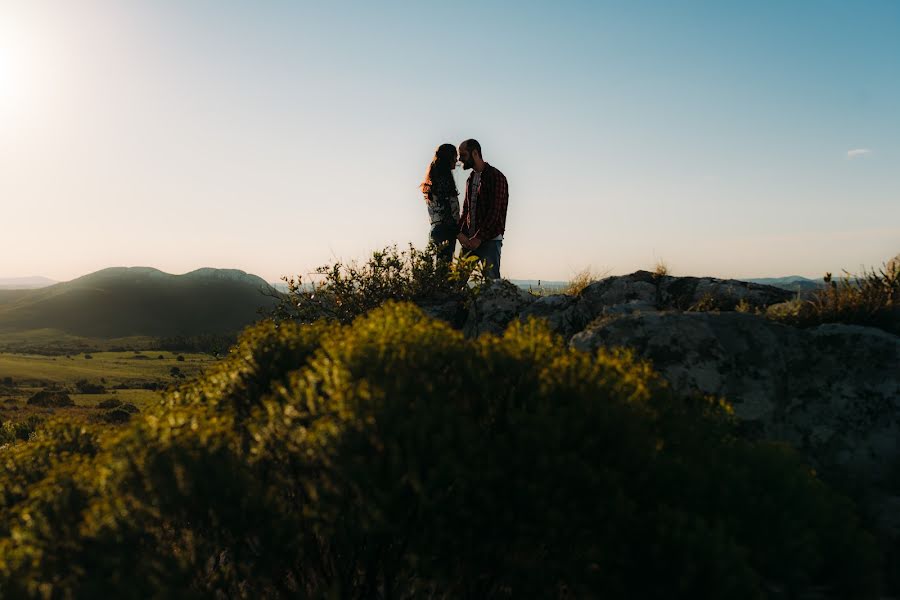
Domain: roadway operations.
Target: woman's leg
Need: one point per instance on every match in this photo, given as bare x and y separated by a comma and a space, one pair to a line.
444, 238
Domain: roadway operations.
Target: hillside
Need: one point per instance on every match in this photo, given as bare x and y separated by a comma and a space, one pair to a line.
137, 301
793, 283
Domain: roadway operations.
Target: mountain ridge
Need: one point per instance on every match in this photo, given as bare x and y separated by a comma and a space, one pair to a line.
139, 301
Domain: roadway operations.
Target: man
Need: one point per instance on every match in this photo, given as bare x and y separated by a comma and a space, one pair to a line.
483, 219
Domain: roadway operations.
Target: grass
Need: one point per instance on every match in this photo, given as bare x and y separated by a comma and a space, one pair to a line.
123, 374
54, 341
116, 367
582, 279
661, 269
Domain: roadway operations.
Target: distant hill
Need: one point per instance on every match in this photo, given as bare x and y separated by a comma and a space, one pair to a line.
24, 283
138, 301
794, 283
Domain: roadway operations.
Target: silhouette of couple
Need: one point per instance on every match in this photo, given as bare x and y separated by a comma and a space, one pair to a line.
479, 229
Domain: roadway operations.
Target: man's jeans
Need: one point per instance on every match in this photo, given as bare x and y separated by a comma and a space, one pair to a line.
489, 253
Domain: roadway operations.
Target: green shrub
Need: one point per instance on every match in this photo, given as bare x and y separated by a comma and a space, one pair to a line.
116, 415
393, 458
872, 299
83, 386
50, 398
349, 290
12, 431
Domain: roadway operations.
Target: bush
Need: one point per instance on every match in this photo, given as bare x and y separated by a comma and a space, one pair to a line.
116, 415
12, 431
350, 290
50, 399
871, 299
393, 458
109, 403
83, 386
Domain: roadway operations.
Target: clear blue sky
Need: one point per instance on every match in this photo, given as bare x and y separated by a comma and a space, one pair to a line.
724, 138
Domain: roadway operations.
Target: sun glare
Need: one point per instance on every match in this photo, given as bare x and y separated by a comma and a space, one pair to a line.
15, 52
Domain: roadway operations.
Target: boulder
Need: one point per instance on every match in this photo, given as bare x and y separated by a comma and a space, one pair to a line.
450, 310
498, 302
832, 391
643, 292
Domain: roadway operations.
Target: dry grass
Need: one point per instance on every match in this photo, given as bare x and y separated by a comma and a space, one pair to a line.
661, 269
872, 298
582, 279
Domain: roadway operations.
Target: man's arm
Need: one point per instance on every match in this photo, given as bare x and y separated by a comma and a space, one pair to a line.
496, 215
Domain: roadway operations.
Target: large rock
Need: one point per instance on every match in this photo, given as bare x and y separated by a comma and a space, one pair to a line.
832, 391
450, 310
498, 302
643, 292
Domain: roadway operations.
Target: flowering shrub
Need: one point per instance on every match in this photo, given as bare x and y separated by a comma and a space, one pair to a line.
392, 458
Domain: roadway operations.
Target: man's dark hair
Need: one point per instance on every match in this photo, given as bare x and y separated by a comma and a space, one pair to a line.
473, 145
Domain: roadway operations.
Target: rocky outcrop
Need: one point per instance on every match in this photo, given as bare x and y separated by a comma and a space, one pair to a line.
643, 292
832, 391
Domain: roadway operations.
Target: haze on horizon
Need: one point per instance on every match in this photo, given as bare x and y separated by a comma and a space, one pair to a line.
748, 140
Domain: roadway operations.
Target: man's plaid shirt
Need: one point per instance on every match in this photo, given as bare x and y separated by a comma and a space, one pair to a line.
490, 206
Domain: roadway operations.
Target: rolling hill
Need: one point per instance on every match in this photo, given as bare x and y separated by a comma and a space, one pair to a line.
137, 301
794, 283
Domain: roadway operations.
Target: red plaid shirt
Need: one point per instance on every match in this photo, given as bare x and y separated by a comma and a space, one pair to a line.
490, 206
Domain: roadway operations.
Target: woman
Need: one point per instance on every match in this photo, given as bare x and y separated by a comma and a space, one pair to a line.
442, 199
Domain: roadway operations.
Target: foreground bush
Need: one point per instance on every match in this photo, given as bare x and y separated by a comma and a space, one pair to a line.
393, 459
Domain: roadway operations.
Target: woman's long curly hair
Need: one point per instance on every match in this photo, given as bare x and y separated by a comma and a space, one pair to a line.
441, 167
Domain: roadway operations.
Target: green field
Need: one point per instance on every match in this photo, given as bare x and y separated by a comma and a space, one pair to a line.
55, 341
125, 376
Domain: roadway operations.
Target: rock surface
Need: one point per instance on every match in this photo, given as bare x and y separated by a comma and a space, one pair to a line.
498, 303
832, 391
646, 292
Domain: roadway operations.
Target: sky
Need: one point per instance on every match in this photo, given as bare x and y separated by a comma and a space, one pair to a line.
732, 139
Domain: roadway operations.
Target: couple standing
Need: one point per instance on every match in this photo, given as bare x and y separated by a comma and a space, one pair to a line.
480, 228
